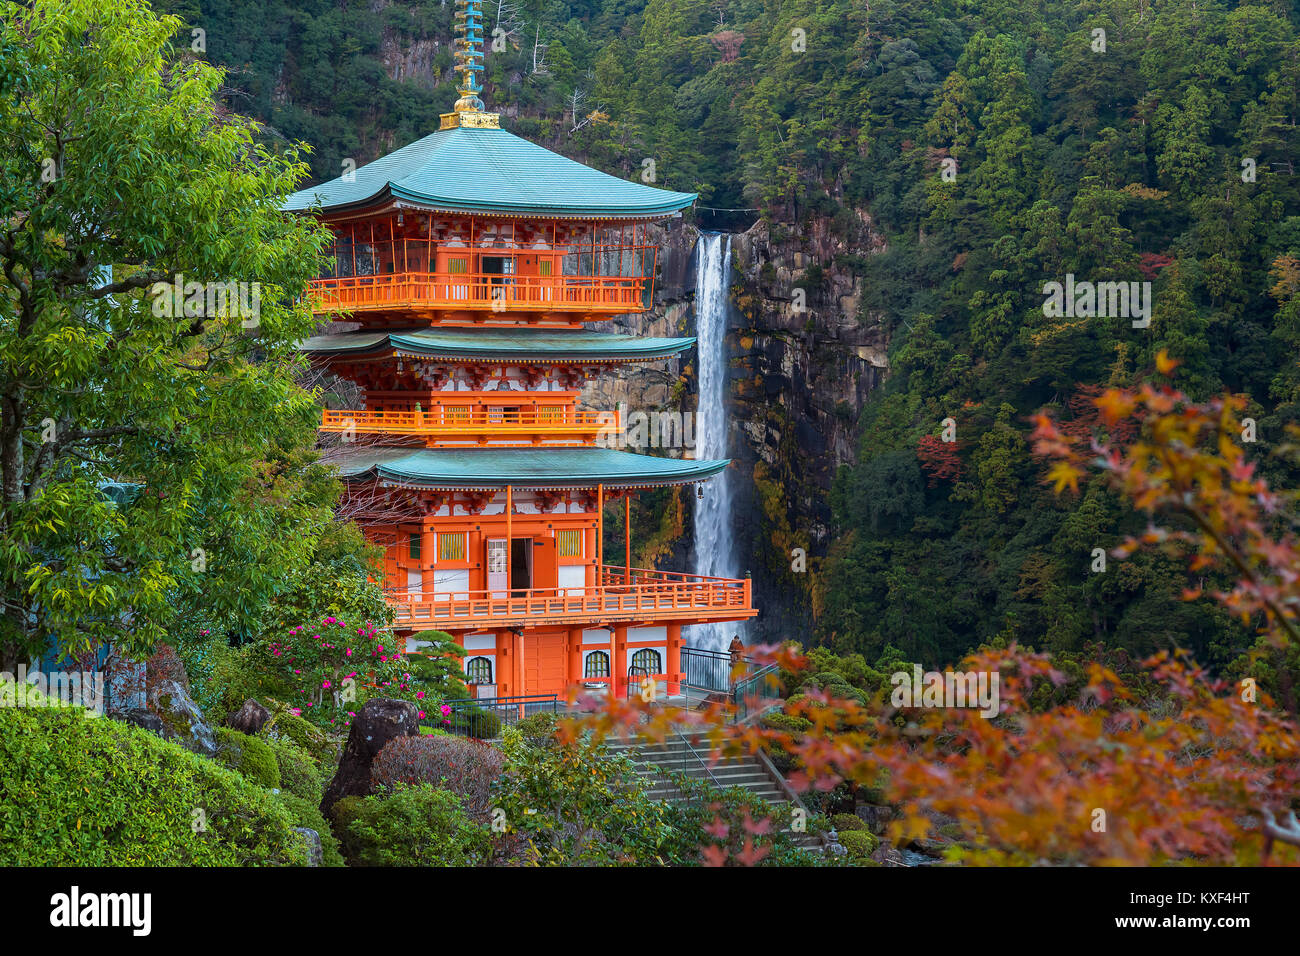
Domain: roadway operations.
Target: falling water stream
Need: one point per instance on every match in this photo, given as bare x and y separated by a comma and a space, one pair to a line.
715, 546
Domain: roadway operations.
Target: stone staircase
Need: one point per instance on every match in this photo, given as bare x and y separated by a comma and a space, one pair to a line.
654, 762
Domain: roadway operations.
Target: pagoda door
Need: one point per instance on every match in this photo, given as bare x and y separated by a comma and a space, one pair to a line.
521, 566
498, 554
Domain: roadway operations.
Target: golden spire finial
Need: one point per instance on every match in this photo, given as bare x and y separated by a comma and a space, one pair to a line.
468, 111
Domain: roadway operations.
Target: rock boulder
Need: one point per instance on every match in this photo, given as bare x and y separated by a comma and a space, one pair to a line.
380, 721
250, 718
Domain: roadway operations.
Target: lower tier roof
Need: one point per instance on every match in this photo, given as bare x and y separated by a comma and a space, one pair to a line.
479, 344
488, 469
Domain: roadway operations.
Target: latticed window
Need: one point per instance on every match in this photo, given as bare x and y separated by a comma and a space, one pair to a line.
451, 547
646, 661
569, 542
413, 546
596, 665
458, 266
457, 414
496, 556
550, 413
478, 670
544, 267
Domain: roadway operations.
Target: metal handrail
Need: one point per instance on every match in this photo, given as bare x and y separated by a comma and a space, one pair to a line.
700, 760
740, 693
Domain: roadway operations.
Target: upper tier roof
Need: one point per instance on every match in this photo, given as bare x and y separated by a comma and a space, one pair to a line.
491, 171
521, 343
475, 469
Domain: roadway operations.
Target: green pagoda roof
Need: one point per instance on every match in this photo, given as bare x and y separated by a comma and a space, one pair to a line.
521, 343
490, 171
494, 468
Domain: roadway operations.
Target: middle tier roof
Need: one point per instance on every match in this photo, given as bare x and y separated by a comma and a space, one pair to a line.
518, 344
474, 469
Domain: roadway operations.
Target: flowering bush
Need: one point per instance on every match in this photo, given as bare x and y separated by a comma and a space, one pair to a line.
332, 668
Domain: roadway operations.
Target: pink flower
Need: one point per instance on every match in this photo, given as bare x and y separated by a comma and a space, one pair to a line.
446, 709
419, 695
325, 683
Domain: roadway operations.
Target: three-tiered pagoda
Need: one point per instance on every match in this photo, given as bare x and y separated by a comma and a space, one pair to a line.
472, 259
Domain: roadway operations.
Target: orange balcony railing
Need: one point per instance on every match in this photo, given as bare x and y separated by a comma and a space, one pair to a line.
479, 292
651, 596
553, 424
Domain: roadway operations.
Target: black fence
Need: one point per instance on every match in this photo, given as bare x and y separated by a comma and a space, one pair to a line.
706, 670
485, 718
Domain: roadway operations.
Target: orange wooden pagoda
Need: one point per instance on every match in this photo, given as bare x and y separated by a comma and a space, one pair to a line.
472, 259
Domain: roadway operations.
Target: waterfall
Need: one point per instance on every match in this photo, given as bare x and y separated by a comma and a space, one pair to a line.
715, 546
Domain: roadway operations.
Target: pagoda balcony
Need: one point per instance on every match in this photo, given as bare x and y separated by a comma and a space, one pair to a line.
480, 292
465, 425
645, 596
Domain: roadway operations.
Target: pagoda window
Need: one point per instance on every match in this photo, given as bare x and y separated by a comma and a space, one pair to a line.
645, 662
478, 670
458, 265
569, 542
451, 546
596, 665
413, 545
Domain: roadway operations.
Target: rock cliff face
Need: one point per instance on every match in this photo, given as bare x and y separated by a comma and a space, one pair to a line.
803, 362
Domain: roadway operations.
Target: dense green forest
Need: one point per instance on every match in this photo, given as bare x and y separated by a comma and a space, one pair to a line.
1122, 140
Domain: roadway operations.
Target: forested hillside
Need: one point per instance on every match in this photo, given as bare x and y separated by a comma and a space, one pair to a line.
1123, 140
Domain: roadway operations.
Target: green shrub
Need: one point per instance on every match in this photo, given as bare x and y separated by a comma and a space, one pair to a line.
251, 756
234, 675
300, 774
826, 680
843, 822
697, 834
79, 791
306, 813
476, 722
576, 804
415, 826
860, 843
538, 725
325, 747
345, 811
790, 723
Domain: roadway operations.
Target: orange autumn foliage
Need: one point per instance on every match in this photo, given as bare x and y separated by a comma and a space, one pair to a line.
1174, 767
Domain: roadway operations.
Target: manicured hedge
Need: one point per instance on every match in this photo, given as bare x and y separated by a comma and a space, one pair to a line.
90, 791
